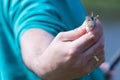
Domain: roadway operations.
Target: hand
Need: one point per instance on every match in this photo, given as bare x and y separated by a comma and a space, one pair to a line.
70, 55
108, 73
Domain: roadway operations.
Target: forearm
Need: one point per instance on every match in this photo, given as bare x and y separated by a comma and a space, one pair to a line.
35, 53
33, 44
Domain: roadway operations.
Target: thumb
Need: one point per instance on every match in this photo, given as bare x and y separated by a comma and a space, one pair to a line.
72, 35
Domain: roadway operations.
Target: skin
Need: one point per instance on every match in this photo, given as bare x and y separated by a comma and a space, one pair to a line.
65, 56
108, 73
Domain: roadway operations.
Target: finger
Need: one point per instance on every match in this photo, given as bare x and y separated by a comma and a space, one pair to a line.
97, 31
71, 35
89, 38
90, 56
105, 67
95, 49
94, 64
85, 42
78, 32
98, 47
99, 55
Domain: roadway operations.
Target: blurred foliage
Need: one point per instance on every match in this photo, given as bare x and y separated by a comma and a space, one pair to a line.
108, 9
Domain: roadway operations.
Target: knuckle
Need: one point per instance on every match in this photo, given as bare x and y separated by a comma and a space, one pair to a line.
60, 36
92, 38
76, 30
72, 52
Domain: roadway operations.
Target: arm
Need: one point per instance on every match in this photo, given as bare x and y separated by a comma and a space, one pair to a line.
68, 54
33, 44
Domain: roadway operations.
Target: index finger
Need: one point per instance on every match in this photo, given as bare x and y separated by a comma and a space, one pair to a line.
87, 40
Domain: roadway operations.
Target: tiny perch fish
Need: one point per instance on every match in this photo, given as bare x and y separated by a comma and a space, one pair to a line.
90, 22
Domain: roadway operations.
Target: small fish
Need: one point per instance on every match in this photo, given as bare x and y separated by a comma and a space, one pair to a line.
90, 22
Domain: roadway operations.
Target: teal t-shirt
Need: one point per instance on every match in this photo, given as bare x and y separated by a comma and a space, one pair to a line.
18, 16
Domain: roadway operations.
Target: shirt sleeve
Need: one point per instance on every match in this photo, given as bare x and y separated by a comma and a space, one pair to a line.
27, 14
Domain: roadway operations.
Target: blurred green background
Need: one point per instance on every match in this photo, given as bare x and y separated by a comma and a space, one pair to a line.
109, 12
107, 9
